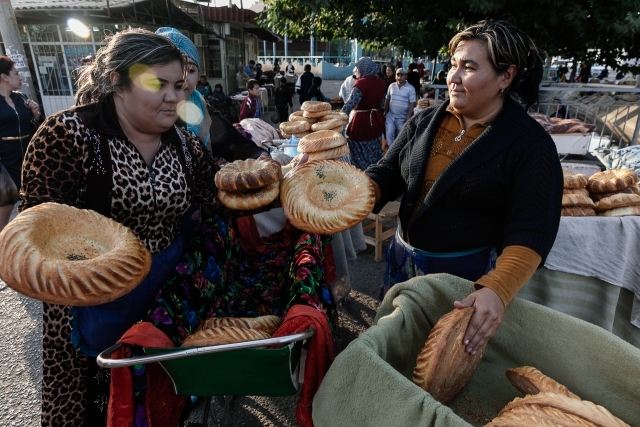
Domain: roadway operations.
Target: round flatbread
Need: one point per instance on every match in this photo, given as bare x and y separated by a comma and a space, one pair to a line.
530, 380
249, 200
574, 180
582, 191
315, 106
294, 127
443, 366
576, 211
320, 141
332, 153
250, 174
538, 416
617, 201
326, 125
298, 117
63, 255
627, 211
632, 189
611, 180
577, 200
326, 197
315, 114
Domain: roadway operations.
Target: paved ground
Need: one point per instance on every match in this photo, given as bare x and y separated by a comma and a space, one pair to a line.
21, 347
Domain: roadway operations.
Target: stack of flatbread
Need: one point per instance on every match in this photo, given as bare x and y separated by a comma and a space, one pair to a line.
425, 103
248, 184
324, 145
575, 196
227, 330
549, 403
615, 192
313, 116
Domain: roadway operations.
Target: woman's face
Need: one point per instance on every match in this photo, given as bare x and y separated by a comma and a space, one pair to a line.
192, 77
389, 72
150, 104
13, 79
474, 87
357, 73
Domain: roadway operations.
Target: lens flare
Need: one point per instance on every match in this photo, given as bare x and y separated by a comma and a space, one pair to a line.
190, 112
78, 28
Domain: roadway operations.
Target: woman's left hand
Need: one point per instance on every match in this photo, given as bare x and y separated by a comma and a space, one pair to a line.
33, 106
486, 319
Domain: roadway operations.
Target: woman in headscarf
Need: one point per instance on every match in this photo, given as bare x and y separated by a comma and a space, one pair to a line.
194, 111
365, 106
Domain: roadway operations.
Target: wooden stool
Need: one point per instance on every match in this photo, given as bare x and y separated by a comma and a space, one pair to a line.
390, 211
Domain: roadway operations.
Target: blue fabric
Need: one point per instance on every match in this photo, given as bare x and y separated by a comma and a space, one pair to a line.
193, 125
392, 126
182, 42
405, 262
367, 67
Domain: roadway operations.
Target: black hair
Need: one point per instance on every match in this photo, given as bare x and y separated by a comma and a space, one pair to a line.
307, 67
252, 83
218, 85
283, 79
316, 81
6, 65
204, 76
252, 62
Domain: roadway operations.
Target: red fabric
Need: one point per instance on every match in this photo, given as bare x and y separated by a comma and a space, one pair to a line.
368, 125
252, 244
249, 108
319, 354
161, 402
329, 264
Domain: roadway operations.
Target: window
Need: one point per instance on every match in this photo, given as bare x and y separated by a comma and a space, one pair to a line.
215, 60
75, 53
54, 77
43, 33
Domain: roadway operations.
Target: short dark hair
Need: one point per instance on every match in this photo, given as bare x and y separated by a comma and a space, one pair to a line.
307, 67
6, 64
218, 85
317, 81
204, 76
252, 83
283, 79
252, 62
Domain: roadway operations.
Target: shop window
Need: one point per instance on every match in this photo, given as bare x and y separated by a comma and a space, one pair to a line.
75, 53
54, 76
43, 33
215, 60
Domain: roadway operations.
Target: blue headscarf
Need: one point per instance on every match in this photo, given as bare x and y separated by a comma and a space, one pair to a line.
183, 43
367, 67
186, 46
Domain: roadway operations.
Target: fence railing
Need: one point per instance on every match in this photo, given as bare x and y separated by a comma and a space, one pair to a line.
614, 110
301, 60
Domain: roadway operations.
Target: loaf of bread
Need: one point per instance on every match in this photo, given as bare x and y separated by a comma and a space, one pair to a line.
535, 415
250, 174
576, 211
574, 180
577, 200
582, 191
530, 380
632, 189
321, 140
249, 200
268, 324
611, 180
332, 153
626, 211
223, 335
617, 201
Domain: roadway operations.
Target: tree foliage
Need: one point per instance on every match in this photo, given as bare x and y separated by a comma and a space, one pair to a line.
606, 32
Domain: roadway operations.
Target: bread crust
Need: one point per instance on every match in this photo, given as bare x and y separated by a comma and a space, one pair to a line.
338, 129
315, 114
223, 335
63, 255
443, 367
530, 380
320, 141
576, 211
249, 200
584, 409
582, 191
632, 189
611, 180
315, 106
326, 196
577, 200
298, 117
574, 180
332, 153
326, 125
336, 115
617, 201
250, 174
268, 324
292, 128
626, 211
536, 415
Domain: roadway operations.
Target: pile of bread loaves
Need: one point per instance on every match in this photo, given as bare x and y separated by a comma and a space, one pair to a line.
554, 125
320, 145
609, 193
227, 330
248, 184
424, 103
313, 116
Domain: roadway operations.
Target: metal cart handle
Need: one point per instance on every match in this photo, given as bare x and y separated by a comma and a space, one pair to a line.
104, 360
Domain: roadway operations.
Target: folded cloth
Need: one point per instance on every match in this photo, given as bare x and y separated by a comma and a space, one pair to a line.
370, 384
162, 404
319, 354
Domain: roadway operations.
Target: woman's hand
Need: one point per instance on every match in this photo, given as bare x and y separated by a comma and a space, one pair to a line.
33, 107
486, 319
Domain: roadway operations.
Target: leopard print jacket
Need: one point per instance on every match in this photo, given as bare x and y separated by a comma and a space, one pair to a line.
66, 152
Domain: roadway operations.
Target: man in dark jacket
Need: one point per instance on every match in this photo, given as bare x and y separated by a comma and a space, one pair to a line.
304, 83
283, 100
413, 78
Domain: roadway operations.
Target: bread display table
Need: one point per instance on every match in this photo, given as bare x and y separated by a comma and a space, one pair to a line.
593, 273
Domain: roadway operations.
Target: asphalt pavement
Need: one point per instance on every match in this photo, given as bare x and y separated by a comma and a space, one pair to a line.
21, 347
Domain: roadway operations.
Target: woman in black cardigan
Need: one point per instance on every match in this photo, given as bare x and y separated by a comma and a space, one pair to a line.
480, 181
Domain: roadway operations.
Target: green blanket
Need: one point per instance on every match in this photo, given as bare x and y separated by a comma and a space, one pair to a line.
369, 384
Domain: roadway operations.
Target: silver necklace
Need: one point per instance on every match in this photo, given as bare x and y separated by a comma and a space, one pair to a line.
459, 137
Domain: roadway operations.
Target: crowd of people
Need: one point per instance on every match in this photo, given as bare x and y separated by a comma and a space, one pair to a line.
130, 150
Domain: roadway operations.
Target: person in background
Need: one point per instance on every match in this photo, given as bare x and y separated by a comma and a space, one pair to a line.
16, 113
259, 72
124, 121
441, 78
366, 124
283, 100
559, 108
315, 94
249, 69
398, 106
391, 76
347, 85
399, 62
204, 87
242, 78
218, 95
563, 70
250, 108
196, 120
480, 180
585, 72
420, 68
572, 74
413, 78
291, 69
304, 83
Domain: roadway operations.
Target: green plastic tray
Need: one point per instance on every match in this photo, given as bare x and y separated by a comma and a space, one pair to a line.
229, 370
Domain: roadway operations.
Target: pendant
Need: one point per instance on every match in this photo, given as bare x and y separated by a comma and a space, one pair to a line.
459, 137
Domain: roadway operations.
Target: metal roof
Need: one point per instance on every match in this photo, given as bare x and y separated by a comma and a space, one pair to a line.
70, 4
